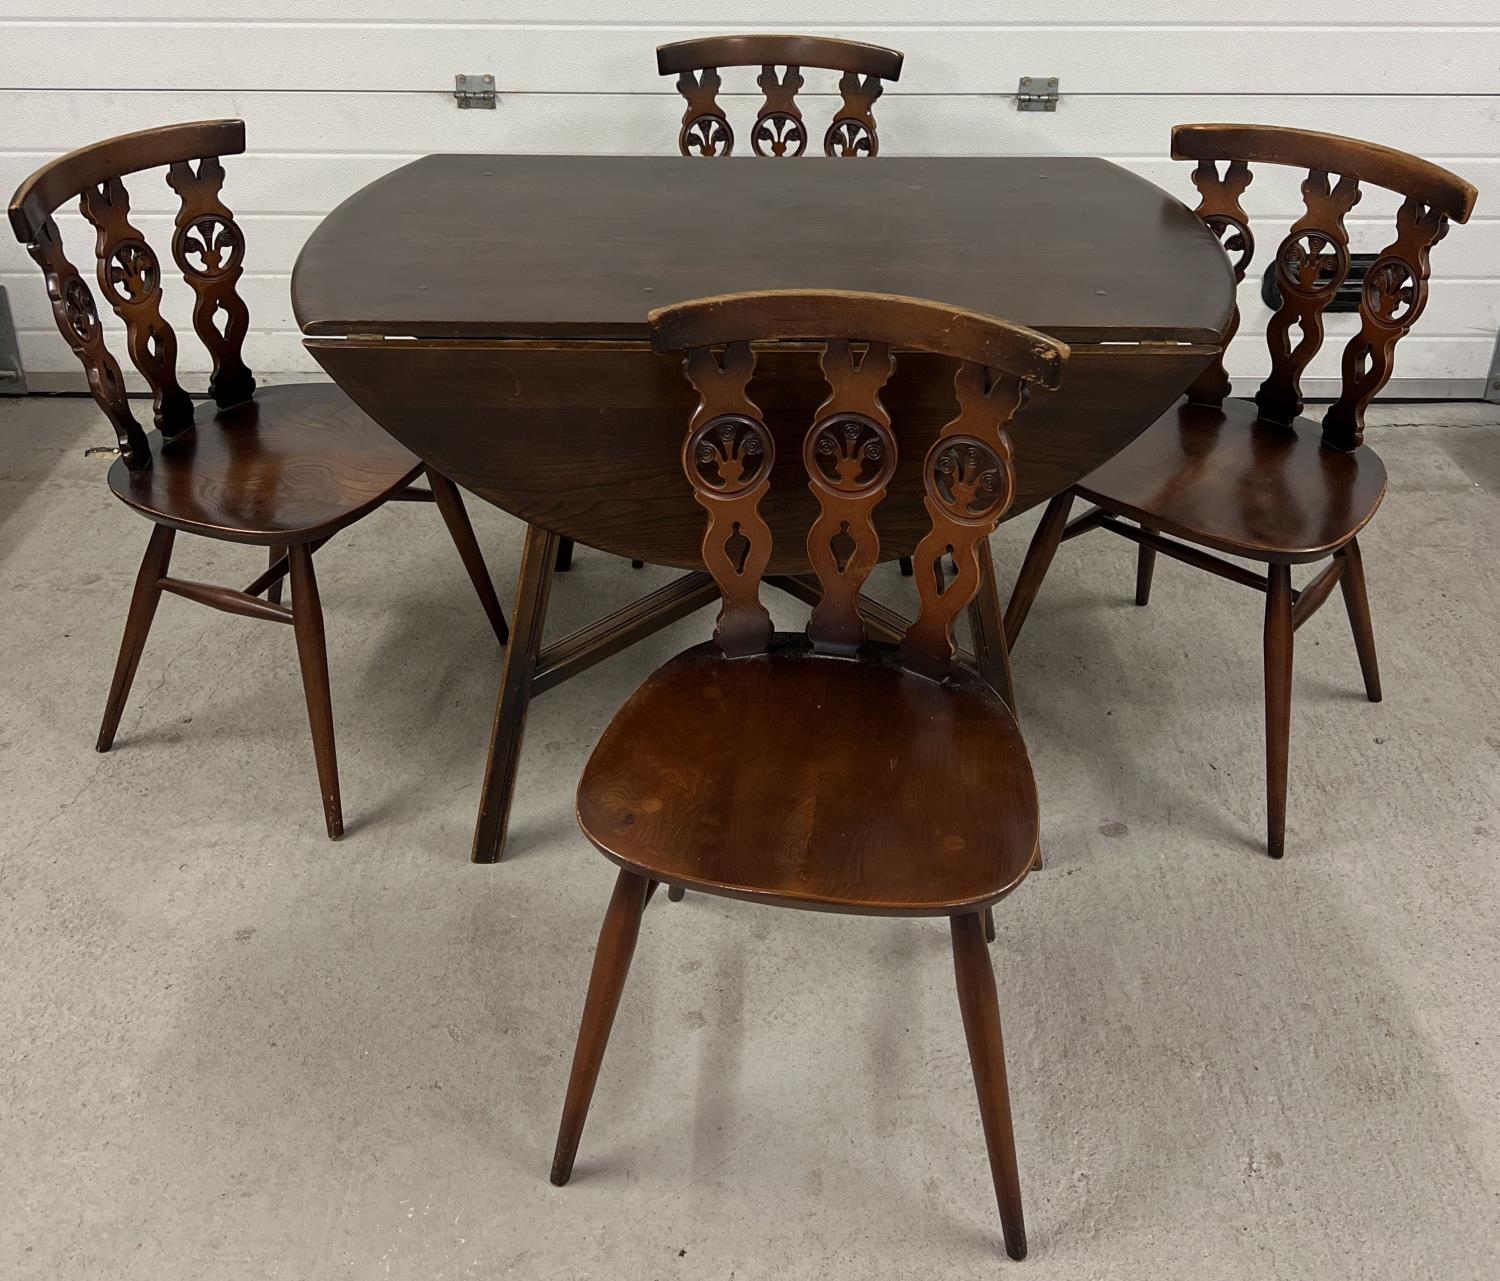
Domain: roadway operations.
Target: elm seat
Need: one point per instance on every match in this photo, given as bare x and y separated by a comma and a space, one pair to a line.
1224, 478
900, 796
297, 463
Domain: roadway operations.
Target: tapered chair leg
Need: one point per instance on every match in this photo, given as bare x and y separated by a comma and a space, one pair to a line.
905, 565
1357, 602
564, 555
981, 1014
987, 627
1278, 656
622, 925
1145, 565
312, 653
675, 893
451, 505
273, 592
1034, 568
533, 590
143, 602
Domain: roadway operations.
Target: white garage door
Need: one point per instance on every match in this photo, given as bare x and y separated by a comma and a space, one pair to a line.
335, 94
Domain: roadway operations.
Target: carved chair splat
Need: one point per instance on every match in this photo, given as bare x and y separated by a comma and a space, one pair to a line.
1254, 479
830, 770
283, 468
779, 129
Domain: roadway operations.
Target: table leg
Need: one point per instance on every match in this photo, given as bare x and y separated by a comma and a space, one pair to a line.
533, 588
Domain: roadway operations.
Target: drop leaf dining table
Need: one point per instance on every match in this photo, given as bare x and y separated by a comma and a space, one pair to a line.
490, 313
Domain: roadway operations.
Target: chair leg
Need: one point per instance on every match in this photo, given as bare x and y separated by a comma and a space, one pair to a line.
1357, 602
1278, 656
533, 589
675, 893
987, 625
445, 494
622, 925
981, 1013
312, 653
1034, 568
905, 565
989, 925
1145, 565
273, 592
564, 555
637, 564
143, 602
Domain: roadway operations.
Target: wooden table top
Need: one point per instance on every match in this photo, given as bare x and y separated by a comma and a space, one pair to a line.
475, 246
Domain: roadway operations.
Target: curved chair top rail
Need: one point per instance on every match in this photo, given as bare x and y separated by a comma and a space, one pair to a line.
839, 314
1369, 162
68, 176
779, 51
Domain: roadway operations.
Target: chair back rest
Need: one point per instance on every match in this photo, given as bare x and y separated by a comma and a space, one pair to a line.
779, 129
207, 246
849, 452
1312, 260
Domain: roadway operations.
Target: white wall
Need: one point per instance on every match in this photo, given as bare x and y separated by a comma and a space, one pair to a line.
336, 94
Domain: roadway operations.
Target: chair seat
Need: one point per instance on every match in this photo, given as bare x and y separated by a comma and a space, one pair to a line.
816, 782
296, 463
1224, 479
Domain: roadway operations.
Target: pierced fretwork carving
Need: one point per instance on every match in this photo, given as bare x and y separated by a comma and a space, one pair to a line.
210, 249
852, 132
779, 130
705, 131
78, 321
1394, 294
130, 276
728, 456
1222, 213
969, 483
850, 456
1311, 264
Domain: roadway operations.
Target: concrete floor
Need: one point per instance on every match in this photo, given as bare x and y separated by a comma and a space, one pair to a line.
231, 1049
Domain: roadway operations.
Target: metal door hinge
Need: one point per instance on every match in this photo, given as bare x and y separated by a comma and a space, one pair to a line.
12, 375
474, 91
1037, 93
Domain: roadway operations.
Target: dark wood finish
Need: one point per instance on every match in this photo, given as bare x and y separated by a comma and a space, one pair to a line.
1357, 603
312, 655
1277, 644
949, 826
1145, 567
226, 599
779, 129
445, 494
531, 669
602, 480
1034, 568
578, 247
517, 677
543, 324
827, 771
143, 602
277, 561
1254, 479
980, 1006
284, 468
617, 938
297, 463
614, 632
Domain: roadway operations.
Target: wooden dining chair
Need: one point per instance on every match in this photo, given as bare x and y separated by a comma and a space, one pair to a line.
282, 467
825, 771
1254, 478
779, 129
